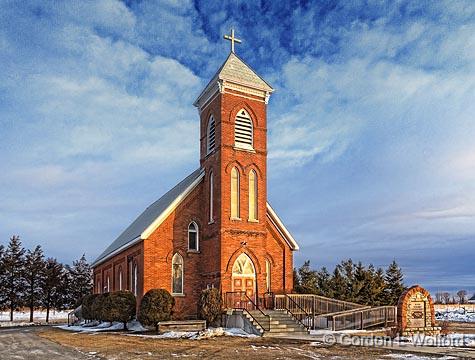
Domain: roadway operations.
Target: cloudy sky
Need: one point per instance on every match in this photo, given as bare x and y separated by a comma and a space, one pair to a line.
371, 127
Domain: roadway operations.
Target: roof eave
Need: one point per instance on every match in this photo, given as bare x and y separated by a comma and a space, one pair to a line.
161, 218
282, 229
117, 251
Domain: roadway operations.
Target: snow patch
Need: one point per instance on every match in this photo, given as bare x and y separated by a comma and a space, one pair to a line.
105, 326
198, 335
38, 315
457, 315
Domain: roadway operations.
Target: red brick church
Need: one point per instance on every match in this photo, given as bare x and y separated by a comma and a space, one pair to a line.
215, 228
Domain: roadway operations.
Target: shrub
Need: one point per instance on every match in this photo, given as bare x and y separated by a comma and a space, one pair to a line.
210, 305
119, 306
97, 308
88, 307
156, 306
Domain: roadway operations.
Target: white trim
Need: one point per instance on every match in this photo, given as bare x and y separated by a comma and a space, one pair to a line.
281, 228
208, 101
162, 217
115, 252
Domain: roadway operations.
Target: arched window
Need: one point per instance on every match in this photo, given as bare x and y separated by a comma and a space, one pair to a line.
193, 237
243, 130
243, 266
210, 135
120, 277
135, 279
177, 274
252, 195
268, 276
234, 193
211, 197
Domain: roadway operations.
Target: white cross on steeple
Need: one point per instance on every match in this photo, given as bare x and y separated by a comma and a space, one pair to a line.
232, 39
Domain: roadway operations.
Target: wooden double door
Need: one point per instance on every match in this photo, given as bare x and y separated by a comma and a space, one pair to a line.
246, 284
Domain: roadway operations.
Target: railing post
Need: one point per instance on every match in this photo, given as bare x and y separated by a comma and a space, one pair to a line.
313, 314
361, 319
334, 324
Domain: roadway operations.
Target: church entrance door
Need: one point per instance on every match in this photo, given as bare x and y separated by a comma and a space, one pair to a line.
244, 276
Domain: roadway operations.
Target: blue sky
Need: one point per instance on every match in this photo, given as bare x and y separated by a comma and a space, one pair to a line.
371, 127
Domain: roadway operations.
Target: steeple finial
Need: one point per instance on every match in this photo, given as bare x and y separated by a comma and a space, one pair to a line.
232, 39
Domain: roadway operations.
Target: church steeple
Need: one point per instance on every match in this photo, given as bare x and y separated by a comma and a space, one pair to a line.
233, 107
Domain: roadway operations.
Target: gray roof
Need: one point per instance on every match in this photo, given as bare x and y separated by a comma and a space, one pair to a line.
234, 69
145, 219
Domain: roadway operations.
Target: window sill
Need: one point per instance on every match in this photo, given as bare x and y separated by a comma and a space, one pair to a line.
249, 149
178, 295
235, 219
190, 251
253, 221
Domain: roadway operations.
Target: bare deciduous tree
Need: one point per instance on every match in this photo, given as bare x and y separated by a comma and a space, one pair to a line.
462, 295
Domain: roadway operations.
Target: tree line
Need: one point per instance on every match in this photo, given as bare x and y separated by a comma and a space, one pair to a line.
28, 279
447, 298
353, 282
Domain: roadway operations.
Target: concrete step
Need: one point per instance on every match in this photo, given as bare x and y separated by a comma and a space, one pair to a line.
281, 323
287, 329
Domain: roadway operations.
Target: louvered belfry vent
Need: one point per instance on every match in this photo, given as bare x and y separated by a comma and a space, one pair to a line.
211, 135
243, 130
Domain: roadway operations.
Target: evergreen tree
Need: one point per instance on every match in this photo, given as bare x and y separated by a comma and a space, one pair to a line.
362, 284
347, 268
52, 285
81, 280
394, 280
377, 296
338, 284
34, 267
13, 261
296, 280
308, 279
324, 282
3, 288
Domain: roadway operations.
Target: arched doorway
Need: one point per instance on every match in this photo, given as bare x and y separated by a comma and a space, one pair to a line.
244, 276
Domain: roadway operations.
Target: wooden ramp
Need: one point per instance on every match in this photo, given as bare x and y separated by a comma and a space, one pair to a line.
319, 312
358, 319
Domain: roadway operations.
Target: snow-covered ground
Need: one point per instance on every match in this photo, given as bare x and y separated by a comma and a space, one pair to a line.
22, 318
459, 315
135, 328
105, 326
199, 335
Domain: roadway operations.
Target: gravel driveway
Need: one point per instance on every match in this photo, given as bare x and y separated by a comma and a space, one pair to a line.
25, 344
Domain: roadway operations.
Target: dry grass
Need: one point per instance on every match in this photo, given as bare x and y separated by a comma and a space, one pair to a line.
119, 346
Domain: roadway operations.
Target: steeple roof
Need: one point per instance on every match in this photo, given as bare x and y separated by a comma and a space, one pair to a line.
234, 70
